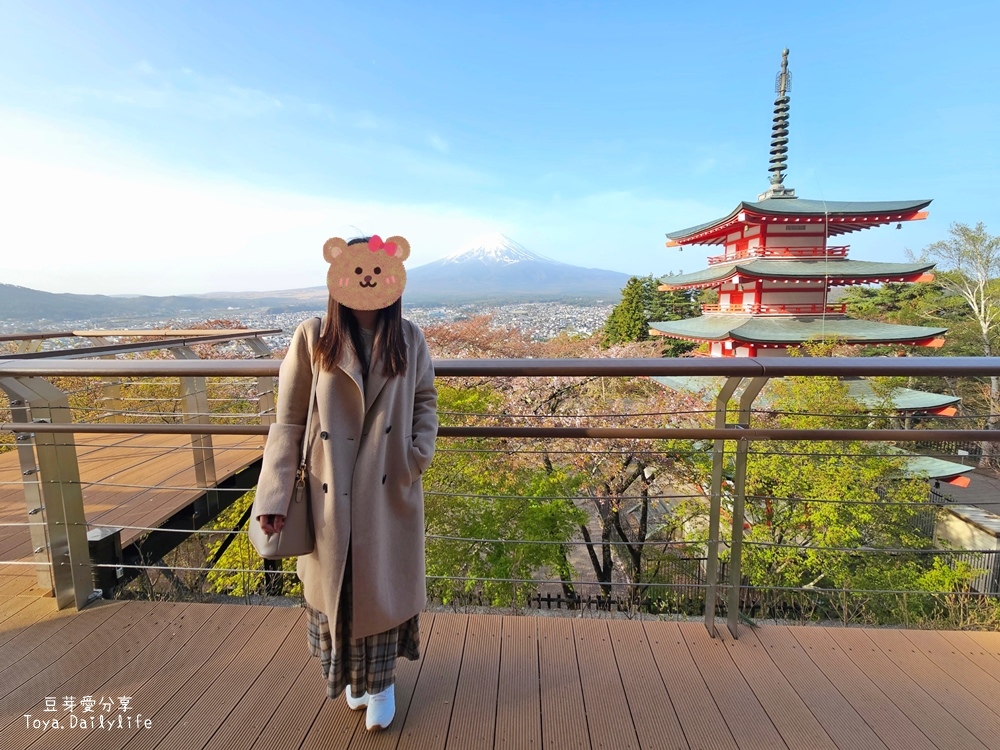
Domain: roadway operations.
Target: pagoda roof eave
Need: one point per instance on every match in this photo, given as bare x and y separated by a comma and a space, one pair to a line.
916, 466
898, 399
844, 215
836, 270
792, 330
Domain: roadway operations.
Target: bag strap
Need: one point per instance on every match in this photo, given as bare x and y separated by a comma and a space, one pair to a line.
309, 419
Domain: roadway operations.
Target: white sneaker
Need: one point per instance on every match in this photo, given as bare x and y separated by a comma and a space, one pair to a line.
381, 709
355, 703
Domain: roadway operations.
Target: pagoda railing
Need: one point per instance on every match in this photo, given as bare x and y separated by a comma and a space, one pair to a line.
748, 308
819, 251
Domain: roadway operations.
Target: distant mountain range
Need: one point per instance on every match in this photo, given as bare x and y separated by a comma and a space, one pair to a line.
19, 304
491, 271
497, 269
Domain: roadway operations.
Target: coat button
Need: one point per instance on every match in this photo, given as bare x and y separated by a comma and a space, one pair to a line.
388, 429
383, 478
324, 435
324, 487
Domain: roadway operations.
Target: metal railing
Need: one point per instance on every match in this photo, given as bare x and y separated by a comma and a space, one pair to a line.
747, 308
819, 251
43, 423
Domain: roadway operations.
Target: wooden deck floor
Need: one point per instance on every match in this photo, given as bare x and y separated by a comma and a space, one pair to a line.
117, 472
225, 676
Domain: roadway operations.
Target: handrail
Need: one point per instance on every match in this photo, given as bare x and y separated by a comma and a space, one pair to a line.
770, 367
143, 333
632, 433
96, 351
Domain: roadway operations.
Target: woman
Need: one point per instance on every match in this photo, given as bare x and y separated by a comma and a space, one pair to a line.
372, 437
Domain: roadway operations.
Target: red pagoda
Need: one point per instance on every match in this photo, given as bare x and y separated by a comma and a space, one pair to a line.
774, 278
778, 265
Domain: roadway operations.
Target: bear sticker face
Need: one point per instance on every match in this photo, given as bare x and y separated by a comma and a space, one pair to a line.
366, 276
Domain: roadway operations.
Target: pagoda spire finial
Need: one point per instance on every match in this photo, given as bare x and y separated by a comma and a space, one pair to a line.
779, 134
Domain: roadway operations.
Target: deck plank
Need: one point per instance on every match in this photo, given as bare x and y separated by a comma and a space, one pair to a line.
604, 696
966, 643
435, 694
741, 710
295, 714
190, 679
563, 714
958, 665
473, 721
155, 692
961, 704
653, 717
124, 668
844, 725
32, 661
204, 718
18, 612
788, 712
986, 640
697, 712
518, 697
115, 474
918, 703
77, 672
256, 707
890, 723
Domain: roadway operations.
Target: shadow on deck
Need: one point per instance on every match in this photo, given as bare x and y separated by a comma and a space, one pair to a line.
228, 676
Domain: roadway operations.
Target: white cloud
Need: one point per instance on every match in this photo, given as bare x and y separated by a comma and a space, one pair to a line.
83, 216
184, 92
86, 214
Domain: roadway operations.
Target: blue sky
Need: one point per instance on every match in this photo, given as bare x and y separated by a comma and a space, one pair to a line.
183, 147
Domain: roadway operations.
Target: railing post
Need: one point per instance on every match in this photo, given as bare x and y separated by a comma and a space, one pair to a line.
18, 396
111, 388
28, 346
715, 508
194, 395
750, 393
61, 493
265, 384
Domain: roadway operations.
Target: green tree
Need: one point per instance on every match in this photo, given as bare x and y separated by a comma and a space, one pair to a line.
493, 523
971, 259
820, 511
642, 303
629, 320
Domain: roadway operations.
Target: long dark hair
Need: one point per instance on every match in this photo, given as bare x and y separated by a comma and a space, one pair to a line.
341, 329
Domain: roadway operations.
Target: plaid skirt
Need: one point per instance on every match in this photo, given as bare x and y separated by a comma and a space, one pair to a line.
366, 664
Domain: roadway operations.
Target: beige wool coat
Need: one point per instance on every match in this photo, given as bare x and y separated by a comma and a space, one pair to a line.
366, 456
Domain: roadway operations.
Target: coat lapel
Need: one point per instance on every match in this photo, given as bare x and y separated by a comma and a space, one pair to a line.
350, 365
376, 381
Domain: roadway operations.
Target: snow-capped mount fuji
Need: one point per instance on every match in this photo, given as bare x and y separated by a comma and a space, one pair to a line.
496, 248
496, 269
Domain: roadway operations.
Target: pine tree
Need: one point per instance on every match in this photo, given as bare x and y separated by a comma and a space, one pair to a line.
629, 320
642, 302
